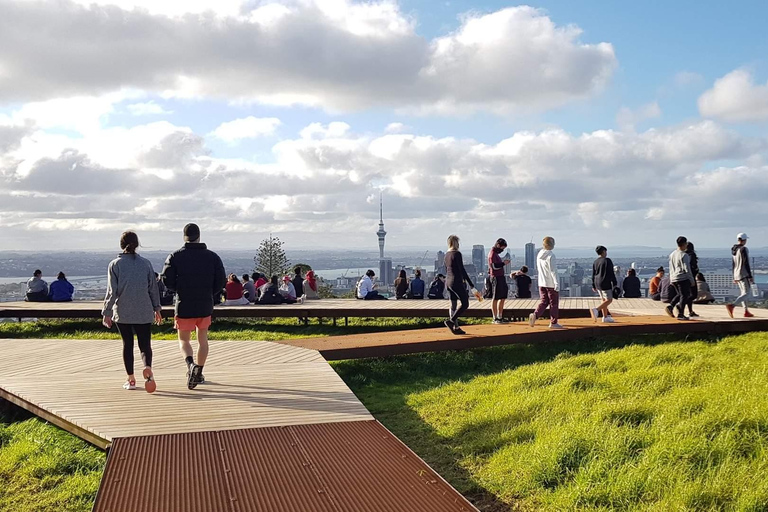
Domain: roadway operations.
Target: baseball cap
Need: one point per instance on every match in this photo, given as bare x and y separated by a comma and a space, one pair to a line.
742, 236
286, 278
191, 232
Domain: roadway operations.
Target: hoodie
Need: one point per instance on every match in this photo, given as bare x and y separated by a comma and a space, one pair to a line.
547, 267
741, 268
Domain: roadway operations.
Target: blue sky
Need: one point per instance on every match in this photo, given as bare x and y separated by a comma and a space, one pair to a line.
515, 119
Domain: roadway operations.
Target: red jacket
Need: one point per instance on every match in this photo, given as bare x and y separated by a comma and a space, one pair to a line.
234, 290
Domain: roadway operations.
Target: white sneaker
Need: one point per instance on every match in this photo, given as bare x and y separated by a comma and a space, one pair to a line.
594, 313
129, 385
556, 326
532, 319
608, 320
300, 300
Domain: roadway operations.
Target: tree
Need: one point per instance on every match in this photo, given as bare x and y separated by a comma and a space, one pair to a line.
271, 259
303, 266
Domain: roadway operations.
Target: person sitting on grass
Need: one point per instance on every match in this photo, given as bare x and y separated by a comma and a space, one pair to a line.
704, 294
234, 292
366, 290
269, 292
310, 286
437, 288
401, 285
416, 287
37, 288
631, 285
61, 289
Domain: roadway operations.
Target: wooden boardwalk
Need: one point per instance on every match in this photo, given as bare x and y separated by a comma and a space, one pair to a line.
76, 384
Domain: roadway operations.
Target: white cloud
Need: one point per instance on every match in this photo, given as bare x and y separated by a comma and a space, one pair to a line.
736, 98
246, 128
627, 118
395, 128
149, 108
341, 55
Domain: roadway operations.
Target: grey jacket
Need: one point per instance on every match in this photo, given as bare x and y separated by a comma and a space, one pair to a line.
37, 285
132, 294
680, 267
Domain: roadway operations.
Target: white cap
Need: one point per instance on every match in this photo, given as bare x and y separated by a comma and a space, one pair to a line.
742, 236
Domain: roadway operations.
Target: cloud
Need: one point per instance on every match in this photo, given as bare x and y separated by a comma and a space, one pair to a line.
395, 128
736, 98
149, 108
341, 55
684, 79
246, 128
627, 118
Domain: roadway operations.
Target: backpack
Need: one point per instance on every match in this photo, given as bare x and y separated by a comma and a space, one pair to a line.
488, 291
434, 291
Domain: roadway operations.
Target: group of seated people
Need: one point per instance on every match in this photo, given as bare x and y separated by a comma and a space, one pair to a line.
256, 289
660, 289
404, 288
38, 290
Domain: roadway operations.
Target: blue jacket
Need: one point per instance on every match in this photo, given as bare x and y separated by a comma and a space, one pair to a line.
417, 288
61, 290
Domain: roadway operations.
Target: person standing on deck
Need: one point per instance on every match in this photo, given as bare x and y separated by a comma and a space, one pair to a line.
195, 274
298, 282
603, 282
680, 278
549, 285
694, 284
133, 302
742, 274
455, 282
498, 280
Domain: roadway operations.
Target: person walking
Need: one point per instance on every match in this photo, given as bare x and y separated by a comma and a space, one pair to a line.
603, 282
742, 274
694, 261
549, 285
196, 274
680, 278
133, 303
498, 280
456, 282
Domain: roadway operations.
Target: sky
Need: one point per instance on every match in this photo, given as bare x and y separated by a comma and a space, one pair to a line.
594, 122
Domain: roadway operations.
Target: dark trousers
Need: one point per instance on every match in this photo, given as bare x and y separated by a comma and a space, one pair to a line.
144, 335
549, 299
458, 295
374, 295
692, 297
683, 289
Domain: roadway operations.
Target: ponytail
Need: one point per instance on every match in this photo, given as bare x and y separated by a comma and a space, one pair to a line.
129, 242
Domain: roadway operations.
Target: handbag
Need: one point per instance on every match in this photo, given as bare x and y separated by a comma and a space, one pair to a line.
488, 291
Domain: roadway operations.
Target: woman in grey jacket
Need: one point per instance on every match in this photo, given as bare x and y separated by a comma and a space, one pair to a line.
133, 302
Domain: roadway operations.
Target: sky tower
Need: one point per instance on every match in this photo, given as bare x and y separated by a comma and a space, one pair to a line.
381, 233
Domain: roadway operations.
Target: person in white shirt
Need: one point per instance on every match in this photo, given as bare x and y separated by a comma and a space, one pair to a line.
366, 290
549, 285
288, 292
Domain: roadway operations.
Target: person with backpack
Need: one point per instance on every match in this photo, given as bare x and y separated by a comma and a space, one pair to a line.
437, 288
499, 287
603, 282
742, 274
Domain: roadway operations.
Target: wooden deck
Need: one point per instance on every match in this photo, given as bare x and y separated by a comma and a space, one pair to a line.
76, 384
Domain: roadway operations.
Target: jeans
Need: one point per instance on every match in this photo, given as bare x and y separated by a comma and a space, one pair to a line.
744, 289
458, 294
374, 295
683, 289
549, 298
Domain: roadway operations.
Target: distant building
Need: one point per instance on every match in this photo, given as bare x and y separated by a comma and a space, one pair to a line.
381, 233
478, 257
440, 263
386, 272
721, 284
530, 257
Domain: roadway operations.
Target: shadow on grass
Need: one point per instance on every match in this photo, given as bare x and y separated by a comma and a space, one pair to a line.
385, 384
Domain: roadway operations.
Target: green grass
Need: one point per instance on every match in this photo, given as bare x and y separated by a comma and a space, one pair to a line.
44, 469
652, 424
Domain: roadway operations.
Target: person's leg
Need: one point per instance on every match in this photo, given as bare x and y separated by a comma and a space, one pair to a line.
494, 305
126, 333
202, 349
681, 299
676, 299
543, 303
186, 347
463, 300
692, 297
500, 309
453, 296
554, 305
144, 337
742, 299
607, 303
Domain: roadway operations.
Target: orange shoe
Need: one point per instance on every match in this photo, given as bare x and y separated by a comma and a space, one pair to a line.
730, 309
149, 385
747, 314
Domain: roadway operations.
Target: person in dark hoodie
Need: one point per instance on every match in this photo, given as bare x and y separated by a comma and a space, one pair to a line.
631, 285
269, 293
694, 261
61, 290
298, 282
742, 274
196, 274
437, 288
603, 282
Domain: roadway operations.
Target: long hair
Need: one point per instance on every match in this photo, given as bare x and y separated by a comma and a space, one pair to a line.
453, 243
402, 274
129, 242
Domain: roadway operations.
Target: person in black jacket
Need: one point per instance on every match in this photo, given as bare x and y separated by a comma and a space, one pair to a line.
269, 293
455, 282
195, 274
298, 282
631, 285
603, 282
694, 259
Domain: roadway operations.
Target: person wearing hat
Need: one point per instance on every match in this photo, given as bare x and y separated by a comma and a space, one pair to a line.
288, 291
195, 274
742, 274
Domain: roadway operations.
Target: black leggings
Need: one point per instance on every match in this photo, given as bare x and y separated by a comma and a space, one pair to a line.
144, 335
456, 294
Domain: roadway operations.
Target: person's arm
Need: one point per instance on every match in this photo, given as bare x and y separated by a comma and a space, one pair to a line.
464, 270
594, 276
169, 274
154, 291
553, 271
220, 277
747, 267
611, 273
111, 297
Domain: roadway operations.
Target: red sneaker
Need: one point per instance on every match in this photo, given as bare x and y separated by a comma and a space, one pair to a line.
747, 314
149, 385
730, 309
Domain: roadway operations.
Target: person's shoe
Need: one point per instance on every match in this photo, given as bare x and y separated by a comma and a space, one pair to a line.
450, 325
693, 315
149, 381
556, 326
594, 313
459, 330
608, 319
130, 385
201, 379
682, 317
747, 314
497, 321
505, 320
532, 319
194, 376
670, 311
730, 308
